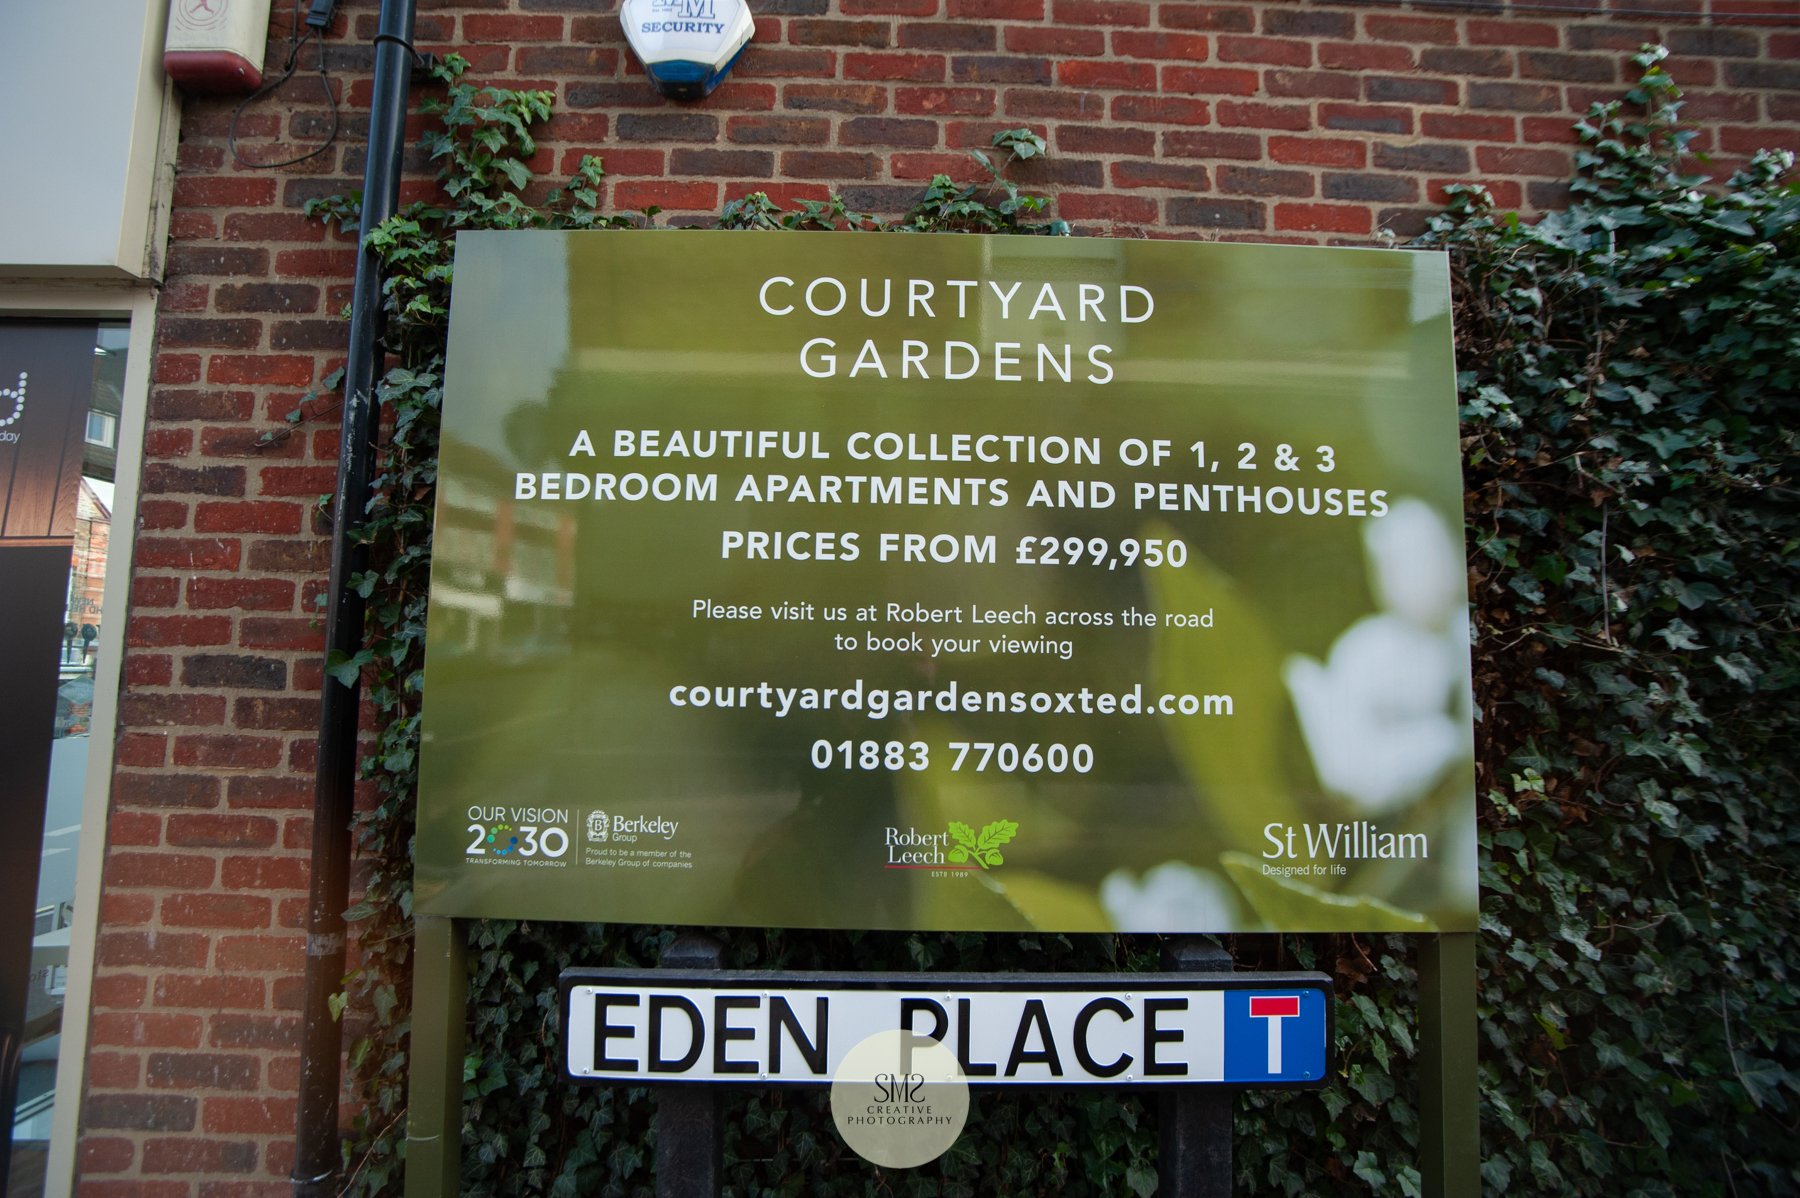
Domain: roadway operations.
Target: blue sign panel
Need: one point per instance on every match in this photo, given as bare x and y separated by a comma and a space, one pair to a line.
1276, 1037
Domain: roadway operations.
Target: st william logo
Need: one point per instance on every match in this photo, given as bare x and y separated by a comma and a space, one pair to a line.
14, 410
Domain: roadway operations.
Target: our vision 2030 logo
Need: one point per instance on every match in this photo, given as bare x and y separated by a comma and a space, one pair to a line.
960, 848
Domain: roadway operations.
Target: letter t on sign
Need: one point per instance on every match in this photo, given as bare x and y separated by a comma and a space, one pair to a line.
1274, 1009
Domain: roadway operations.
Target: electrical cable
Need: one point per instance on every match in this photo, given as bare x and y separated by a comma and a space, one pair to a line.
1504, 7
296, 42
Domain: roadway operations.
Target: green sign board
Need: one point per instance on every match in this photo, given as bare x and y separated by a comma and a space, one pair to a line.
948, 582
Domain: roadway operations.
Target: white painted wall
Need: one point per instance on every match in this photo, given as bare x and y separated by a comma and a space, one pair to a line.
84, 103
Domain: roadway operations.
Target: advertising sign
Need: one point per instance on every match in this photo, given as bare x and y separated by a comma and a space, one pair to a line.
948, 582
1063, 1029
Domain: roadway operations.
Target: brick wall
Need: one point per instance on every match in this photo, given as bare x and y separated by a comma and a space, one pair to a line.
1266, 121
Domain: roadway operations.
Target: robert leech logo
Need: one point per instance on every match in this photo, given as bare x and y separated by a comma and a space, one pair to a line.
960, 848
17, 396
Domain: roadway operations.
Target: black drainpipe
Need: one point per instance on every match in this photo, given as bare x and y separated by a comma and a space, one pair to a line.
316, 1150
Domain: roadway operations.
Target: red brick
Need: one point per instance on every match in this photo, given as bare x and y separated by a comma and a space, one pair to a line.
1160, 110
1268, 50
945, 101
106, 1154
1230, 18
160, 869
179, 630
1467, 126
686, 196
887, 131
134, 828
212, 831
1035, 103
1264, 181
997, 10
1105, 139
1052, 39
119, 991
212, 991
1107, 76
1361, 56
826, 164
1099, 12
1512, 33
1079, 206
314, 264
1318, 151
133, 1188
143, 1029
229, 191
1367, 118
281, 369
261, 953
161, 789
508, 28
913, 68
1177, 46
253, 594
152, 591
281, 714
196, 1157
1323, 218
178, 553
267, 516
248, 1116
1240, 146
1512, 160
142, 749
121, 910
773, 63
1292, 83
265, 873
274, 632
926, 166
1244, 114
263, 227
176, 368
1132, 173
215, 911
1431, 30
900, 8
228, 751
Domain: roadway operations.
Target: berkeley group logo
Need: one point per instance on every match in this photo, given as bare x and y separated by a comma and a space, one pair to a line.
596, 827
17, 395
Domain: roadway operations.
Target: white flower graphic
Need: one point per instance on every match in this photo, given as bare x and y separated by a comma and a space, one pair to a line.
1173, 897
1385, 714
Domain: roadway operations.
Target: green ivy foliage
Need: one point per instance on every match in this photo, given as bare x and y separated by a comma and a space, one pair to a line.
1628, 389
